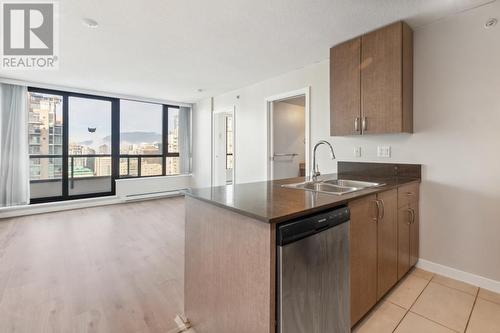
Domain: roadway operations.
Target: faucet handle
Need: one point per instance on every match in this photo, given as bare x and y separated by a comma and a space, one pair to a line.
315, 174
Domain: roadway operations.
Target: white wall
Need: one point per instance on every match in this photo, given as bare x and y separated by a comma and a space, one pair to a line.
457, 136
202, 144
288, 137
251, 117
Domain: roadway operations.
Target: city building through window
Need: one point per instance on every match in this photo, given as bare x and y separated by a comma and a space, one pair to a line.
149, 139
229, 142
80, 144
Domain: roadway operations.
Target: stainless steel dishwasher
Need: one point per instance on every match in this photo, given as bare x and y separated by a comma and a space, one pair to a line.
313, 274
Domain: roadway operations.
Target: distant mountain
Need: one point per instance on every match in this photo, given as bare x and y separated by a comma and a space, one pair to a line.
86, 143
137, 137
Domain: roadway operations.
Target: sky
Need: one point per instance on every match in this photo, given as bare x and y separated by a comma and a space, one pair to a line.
134, 117
84, 113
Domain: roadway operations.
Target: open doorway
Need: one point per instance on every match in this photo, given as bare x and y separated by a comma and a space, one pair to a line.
288, 135
223, 148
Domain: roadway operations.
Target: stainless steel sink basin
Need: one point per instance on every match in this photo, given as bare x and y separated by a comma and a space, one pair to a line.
334, 186
322, 187
350, 183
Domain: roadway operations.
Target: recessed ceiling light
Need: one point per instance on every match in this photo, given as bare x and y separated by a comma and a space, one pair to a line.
491, 23
90, 23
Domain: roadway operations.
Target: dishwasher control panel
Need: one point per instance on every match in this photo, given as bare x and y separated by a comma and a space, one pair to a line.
295, 230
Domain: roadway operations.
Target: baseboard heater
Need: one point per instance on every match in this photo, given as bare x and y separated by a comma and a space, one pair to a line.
153, 195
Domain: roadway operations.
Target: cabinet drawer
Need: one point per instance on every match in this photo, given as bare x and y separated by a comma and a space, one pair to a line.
407, 194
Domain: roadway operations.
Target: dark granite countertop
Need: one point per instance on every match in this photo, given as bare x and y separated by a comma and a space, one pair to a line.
269, 202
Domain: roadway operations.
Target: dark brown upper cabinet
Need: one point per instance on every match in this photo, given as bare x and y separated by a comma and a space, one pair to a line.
345, 92
371, 83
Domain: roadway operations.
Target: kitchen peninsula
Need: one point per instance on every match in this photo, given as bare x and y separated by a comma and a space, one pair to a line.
230, 266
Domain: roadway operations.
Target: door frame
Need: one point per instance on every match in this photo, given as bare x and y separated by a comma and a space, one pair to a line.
232, 111
307, 130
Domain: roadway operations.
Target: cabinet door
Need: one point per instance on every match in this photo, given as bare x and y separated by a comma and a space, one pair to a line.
414, 234
381, 80
363, 256
387, 241
404, 221
345, 90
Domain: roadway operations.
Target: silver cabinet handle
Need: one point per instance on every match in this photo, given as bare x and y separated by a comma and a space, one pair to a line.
377, 202
411, 212
364, 124
382, 215
356, 124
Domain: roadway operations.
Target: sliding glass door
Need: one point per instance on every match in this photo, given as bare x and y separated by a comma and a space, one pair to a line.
89, 146
73, 147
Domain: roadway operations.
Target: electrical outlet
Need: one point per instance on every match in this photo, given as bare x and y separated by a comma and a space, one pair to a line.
357, 152
384, 151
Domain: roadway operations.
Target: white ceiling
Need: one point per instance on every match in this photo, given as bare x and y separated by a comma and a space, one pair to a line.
169, 48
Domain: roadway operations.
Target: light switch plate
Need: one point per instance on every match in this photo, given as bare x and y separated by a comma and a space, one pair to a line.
357, 152
384, 151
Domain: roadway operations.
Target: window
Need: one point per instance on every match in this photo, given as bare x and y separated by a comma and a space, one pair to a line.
141, 140
172, 159
45, 115
80, 144
229, 142
69, 145
150, 136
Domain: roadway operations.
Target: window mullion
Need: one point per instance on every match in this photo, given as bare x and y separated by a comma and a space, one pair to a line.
65, 147
164, 139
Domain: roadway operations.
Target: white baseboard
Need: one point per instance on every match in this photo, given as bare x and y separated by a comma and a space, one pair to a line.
15, 211
456, 274
153, 195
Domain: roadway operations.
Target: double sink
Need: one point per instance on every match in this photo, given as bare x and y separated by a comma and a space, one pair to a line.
333, 186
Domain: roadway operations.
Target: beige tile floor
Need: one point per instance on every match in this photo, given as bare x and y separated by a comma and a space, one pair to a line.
427, 303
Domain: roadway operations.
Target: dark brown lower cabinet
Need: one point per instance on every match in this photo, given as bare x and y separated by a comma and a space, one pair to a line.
404, 221
414, 235
384, 241
363, 256
408, 237
387, 251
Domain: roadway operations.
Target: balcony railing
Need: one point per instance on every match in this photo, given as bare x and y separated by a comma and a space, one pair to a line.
135, 165
90, 175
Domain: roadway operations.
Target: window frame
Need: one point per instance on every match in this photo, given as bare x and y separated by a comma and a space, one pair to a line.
115, 116
164, 154
115, 145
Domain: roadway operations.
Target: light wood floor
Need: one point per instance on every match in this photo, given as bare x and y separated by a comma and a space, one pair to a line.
106, 269
121, 269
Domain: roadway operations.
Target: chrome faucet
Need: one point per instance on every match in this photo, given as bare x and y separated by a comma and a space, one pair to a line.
315, 171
